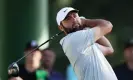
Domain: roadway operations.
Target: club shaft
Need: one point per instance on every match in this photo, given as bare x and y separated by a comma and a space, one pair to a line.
38, 47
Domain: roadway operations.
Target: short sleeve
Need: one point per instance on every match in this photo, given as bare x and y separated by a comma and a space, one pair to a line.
83, 38
78, 40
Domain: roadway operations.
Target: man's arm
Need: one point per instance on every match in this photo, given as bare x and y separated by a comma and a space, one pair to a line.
105, 46
100, 27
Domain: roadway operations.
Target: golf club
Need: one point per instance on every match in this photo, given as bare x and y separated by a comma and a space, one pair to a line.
14, 69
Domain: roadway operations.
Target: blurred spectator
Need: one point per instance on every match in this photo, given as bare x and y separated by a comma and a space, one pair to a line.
70, 73
125, 70
48, 59
27, 71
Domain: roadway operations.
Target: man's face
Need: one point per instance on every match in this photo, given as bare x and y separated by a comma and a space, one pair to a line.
72, 22
128, 54
34, 56
48, 58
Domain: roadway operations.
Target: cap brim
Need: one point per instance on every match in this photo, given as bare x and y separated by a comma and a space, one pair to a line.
71, 11
74, 10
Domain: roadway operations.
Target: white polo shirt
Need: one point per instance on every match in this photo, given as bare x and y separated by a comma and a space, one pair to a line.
86, 58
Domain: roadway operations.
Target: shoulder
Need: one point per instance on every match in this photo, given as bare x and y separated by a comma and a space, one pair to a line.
76, 35
57, 74
62, 40
119, 67
21, 66
67, 37
22, 70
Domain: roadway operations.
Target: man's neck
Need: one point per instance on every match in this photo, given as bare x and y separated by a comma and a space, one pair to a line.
130, 65
31, 67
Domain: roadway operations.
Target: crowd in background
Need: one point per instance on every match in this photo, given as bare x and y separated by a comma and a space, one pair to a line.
39, 65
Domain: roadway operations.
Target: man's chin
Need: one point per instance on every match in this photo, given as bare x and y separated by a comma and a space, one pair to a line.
76, 26
75, 29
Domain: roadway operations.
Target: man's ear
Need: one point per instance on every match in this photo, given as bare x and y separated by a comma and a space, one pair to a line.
61, 28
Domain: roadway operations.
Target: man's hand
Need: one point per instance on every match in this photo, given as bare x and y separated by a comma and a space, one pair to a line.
15, 78
105, 46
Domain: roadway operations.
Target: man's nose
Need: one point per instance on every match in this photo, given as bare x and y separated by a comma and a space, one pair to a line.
73, 18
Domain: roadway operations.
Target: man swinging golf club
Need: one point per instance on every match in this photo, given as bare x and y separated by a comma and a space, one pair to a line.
85, 45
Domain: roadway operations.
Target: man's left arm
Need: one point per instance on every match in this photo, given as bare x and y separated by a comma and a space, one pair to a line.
103, 43
105, 46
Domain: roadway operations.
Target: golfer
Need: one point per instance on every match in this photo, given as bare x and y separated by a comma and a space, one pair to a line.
85, 45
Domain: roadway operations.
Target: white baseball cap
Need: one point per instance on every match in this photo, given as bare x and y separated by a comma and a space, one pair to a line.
63, 13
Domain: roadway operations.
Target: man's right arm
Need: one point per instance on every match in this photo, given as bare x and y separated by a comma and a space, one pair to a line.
100, 27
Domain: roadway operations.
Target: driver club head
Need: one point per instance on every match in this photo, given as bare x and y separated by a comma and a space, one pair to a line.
13, 70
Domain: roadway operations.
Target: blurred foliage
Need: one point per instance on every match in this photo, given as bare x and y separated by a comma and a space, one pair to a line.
19, 29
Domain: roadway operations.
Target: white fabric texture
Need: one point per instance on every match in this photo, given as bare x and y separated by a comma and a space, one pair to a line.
86, 58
